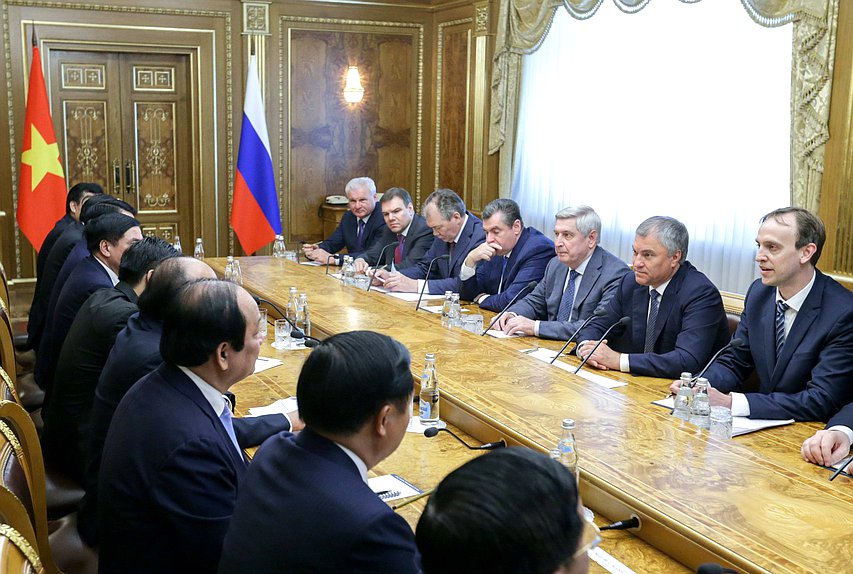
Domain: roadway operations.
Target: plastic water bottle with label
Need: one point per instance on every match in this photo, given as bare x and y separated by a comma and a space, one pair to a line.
198, 252
700, 406
429, 398
684, 397
567, 447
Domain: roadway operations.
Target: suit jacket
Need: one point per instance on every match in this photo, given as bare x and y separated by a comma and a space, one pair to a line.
813, 377
87, 277
39, 303
691, 324
50, 241
136, 353
346, 234
844, 417
446, 272
169, 478
71, 235
594, 289
304, 509
417, 243
526, 263
81, 360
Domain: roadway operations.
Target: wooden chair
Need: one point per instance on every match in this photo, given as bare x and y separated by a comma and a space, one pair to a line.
4, 287
18, 546
31, 397
22, 473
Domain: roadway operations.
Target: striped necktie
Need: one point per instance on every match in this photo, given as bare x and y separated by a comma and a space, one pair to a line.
650, 324
781, 307
565, 311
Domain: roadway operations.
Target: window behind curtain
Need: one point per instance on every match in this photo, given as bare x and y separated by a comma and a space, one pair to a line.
679, 109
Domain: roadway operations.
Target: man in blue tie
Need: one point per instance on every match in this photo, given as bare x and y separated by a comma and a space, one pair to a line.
511, 257
171, 462
581, 278
360, 227
796, 328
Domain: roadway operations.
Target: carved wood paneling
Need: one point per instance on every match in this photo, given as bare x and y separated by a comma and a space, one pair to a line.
86, 141
83, 77
452, 130
155, 145
165, 231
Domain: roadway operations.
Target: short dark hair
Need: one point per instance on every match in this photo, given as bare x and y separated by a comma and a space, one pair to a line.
78, 190
143, 256
110, 227
349, 377
166, 281
99, 205
204, 314
810, 228
508, 209
398, 192
512, 510
447, 202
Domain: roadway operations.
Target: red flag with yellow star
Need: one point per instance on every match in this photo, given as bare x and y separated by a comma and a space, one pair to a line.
42, 190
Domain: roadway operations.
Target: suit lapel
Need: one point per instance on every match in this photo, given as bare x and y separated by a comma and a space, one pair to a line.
639, 310
461, 248
555, 292
802, 322
590, 276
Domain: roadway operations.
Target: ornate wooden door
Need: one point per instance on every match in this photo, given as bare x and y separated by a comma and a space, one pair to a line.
126, 121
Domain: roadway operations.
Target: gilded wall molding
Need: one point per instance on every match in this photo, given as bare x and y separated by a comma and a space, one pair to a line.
284, 76
482, 18
186, 12
438, 84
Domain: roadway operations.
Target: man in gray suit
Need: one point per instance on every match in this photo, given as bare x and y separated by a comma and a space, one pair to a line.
582, 277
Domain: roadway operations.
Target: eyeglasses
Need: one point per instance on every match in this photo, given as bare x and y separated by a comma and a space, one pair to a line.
590, 538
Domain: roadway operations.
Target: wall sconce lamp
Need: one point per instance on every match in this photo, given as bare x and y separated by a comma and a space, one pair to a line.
353, 92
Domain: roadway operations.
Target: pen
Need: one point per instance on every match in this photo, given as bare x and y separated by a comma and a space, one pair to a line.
412, 499
841, 468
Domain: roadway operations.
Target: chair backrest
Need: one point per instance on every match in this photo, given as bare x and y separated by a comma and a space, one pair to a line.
22, 472
7, 344
18, 544
4, 287
7, 388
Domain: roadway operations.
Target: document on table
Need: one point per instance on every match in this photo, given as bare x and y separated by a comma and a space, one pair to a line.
311, 263
280, 407
391, 487
740, 425
501, 335
264, 363
545, 355
413, 297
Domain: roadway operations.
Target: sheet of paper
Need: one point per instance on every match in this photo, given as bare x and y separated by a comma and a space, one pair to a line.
392, 487
280, 407
416, 427
413, 297
740, 425
545, 355
311, 263
501, 335
264, 363
608, 562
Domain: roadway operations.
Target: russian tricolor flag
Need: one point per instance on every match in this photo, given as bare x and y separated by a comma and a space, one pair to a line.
255, 217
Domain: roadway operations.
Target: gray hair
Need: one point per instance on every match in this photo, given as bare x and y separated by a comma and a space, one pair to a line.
669, 231
586, 219
508, 209
396, 192
447, 202
361, 183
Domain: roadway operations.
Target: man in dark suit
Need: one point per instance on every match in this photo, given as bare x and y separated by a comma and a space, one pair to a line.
456, 232
677, 316
360, 227
136, 353
305, 505
580, 279
107, 238
405, 239
172, 464
796, 328
85, 351
829, 446
511, 257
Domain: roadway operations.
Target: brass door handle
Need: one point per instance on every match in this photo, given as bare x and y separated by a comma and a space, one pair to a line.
129, 177
116, 177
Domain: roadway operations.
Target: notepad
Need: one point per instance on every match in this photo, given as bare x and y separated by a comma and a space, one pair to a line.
545, 355
740, 425
264, 363
280, 407
391, 487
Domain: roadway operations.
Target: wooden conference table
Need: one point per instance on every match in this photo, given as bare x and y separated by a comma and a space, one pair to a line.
751, 503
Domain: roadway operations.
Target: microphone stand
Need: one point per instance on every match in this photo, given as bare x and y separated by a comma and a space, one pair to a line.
598, 313
381, 255
328, 259
429, 269
622, 321
432, 431
733, 344
295, 331
530, 285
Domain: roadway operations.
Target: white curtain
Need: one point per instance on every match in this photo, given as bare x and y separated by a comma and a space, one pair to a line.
679, 109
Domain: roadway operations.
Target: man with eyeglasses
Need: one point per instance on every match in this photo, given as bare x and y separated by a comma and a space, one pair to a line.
512, 510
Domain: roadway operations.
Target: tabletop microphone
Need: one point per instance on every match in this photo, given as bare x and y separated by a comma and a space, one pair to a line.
295, 331
381, 255
733, 344
623, 321
328, 259
527, 287
711, 568
426, 280
432, 431
600, 312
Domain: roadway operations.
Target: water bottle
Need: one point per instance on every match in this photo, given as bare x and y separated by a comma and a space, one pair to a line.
292, 309
348, 271
700, 406
455, 315
304, 315
177, 244
198, 253
445, 309
229, 268
683, 398
237, 273
278, 246
429, 397
567, 447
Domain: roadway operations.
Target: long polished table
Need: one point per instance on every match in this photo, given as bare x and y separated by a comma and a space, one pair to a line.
750, 503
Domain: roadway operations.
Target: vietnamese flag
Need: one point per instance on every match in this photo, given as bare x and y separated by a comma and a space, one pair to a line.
42, 190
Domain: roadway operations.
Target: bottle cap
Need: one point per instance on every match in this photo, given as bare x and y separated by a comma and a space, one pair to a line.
568, 424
